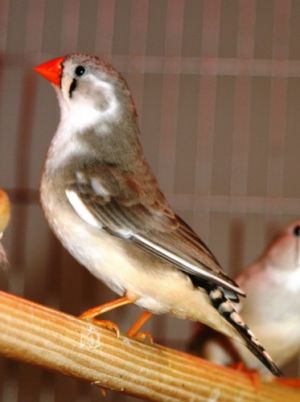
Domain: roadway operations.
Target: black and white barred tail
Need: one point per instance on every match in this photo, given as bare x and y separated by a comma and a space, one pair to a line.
227, 310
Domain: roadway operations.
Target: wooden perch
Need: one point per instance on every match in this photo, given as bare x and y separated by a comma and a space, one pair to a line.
35, 334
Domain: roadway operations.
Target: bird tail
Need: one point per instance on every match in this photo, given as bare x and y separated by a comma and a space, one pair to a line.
227, 310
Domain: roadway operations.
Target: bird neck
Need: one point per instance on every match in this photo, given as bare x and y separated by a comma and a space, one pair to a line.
118, 144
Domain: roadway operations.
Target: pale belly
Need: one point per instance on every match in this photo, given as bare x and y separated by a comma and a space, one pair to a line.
157, 286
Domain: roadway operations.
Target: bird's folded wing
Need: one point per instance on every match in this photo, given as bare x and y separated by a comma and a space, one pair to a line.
115, 201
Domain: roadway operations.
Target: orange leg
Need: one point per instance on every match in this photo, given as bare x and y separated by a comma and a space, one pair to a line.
104, 308
137, 325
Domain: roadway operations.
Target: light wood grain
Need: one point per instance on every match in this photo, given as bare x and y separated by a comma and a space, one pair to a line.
35, 334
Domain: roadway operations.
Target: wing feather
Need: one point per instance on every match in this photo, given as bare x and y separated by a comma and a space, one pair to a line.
139, 212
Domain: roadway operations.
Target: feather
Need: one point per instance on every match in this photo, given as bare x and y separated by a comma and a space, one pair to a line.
129, 210
227, 310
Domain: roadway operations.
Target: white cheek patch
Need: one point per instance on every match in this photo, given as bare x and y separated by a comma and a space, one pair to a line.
83, 115
107, 89
81, 210
112, 111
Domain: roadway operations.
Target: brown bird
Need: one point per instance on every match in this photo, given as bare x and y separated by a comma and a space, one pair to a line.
104, 204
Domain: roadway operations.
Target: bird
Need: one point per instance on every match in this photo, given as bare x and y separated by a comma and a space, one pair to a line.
104, 204
4, 219
272, 284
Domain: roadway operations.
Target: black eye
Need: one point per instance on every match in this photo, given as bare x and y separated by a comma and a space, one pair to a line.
297, 231
79, 71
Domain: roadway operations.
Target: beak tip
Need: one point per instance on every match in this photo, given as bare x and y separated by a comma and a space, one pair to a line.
37, 69
51, 70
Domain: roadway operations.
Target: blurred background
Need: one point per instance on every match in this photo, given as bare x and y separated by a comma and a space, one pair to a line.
217, 89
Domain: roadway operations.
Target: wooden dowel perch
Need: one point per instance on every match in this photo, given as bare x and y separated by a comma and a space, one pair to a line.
57, 341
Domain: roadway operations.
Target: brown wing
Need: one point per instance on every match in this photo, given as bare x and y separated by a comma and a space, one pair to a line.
140, 213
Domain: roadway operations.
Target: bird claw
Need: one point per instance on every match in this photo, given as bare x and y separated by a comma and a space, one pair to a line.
111, 326
89, 315
144, 337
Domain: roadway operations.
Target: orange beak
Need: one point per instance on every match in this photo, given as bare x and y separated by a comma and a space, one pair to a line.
51, 70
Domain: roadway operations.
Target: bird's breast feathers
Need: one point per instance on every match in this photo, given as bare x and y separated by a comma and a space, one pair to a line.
158, 286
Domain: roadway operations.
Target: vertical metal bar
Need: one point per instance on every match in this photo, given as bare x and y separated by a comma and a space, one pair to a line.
105, 28
4, 20
278, 104
70, 25
167, 146
241, 134
241, 131
25, 125
4, 14
206, 122
34, 18
170, 94
34, 26
8, 383
137, 46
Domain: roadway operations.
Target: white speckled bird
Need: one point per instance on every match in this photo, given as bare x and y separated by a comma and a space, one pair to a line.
272, 306
4, 219
104, 204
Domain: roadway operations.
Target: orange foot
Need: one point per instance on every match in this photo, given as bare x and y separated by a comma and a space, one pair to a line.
135, 328
107, 325
252, 374
90, 314
289, 382
144, 337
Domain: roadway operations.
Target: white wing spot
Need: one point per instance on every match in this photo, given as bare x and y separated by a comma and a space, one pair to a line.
81, 209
